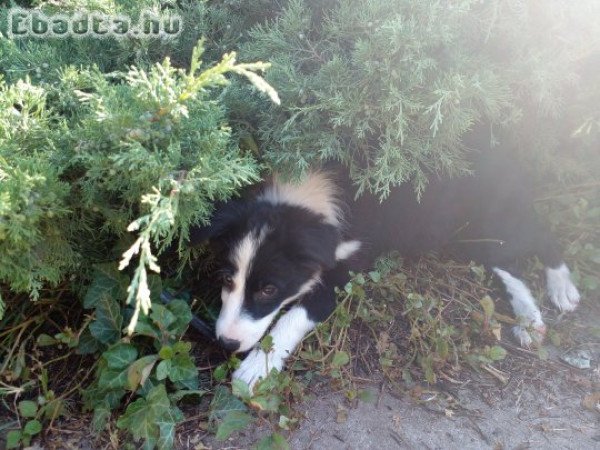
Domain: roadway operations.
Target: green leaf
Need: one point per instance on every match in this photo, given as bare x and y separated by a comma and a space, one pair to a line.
113, 379
166, 352
32, 427
87, 343
367, 396
162, 316
497, 353
139, 371
182, 347
178, 395
240, 389
101, 416
375, 276
233, 421
13, 439
145, 328
266, 344
162, 369
284, 422
152, 418
107, 326
108, 283
274, 441
223, 402
340, 358
488, 306
155, 286
220, 372
120, 355
269, 402
44, 340
27, 408
182, 368
183, 315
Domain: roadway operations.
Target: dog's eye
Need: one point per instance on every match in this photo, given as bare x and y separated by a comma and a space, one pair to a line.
227, 280
267, 292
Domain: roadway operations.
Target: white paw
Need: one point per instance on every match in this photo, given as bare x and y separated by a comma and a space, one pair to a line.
528, 335
257, 365
561, 290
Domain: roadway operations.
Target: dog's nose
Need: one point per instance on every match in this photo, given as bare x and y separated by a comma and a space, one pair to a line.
229, 344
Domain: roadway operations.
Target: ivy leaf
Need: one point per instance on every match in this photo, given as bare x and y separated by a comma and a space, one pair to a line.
162, 370
166, 352
112, 379
274, 441
108, 283
233, 421
101, 416
145, 328
139, 420
166, 426
162, 316
228, 411
120, 355
107, 326
140, 370
182, 368
87, 343
178, 395
148, 418
183, 315
268, 402
240, 389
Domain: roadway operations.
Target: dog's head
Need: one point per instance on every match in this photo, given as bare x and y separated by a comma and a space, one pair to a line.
272, 250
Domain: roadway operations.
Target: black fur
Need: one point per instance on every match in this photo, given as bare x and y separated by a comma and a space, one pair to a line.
486, 216
298, 246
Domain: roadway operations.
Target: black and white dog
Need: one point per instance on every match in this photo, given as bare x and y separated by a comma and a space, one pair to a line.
289, 244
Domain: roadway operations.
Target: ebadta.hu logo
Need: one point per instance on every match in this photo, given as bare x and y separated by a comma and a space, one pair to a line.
30, 23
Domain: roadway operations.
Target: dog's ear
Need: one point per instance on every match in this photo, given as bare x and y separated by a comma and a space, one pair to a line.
317, 244
225, 217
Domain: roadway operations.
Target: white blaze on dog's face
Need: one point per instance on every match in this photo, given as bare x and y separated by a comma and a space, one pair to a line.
274, 252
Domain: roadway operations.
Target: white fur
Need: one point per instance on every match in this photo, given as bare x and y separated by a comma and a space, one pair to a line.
531, 327
346, 249
561, 290
231, 323
287, 333
316, 193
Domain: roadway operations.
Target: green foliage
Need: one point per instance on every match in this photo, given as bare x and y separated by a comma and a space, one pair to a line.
227, 413
390, 88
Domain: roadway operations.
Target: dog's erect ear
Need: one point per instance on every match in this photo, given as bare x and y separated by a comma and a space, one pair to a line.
317, 244
226, 215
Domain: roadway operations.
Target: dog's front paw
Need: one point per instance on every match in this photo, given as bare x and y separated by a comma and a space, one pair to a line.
257, 365
530, 335
561, 290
